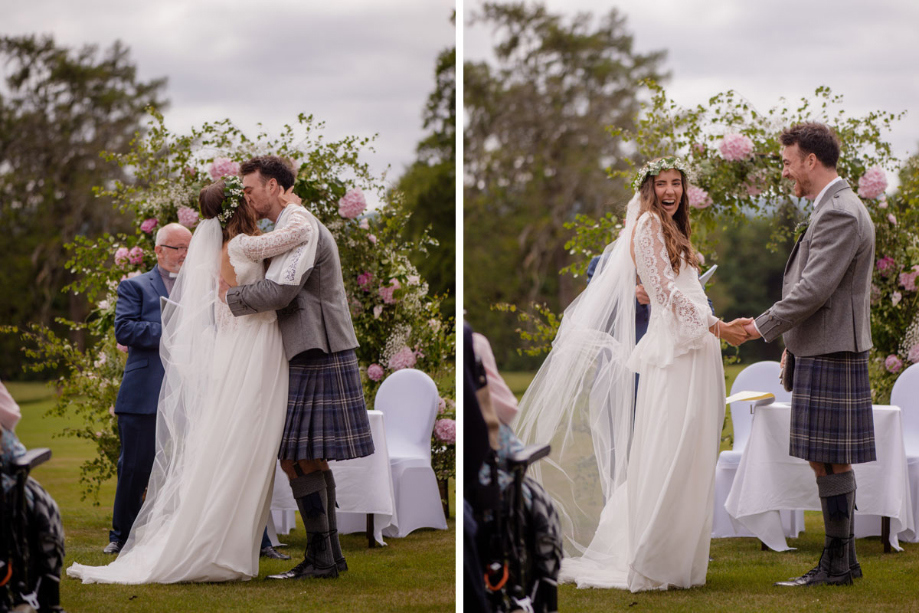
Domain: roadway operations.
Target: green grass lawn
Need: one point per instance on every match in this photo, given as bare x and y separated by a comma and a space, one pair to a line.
740, 576
415, 573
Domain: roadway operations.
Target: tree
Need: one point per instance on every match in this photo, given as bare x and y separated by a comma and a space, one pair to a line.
397, 323
429, 186
58, 109
536, 150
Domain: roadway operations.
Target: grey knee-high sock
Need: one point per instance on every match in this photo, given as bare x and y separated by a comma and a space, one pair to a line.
837, 499
333, 519
853, 560
310, 493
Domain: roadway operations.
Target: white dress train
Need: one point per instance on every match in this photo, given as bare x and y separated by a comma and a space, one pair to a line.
209, 494
655, 530
635, 499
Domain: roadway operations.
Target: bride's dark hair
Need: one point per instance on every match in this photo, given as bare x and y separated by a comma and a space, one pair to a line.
677, 230
243, 221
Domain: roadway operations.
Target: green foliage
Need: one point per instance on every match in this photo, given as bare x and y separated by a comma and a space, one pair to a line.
429, 188
169, 172
59, 108
747, 200
536, 152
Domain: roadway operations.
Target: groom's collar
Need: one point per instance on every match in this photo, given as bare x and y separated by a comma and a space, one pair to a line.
825, 189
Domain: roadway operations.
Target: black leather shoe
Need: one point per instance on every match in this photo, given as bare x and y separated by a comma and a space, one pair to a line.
856, 571
341, 565
113, 548
271, 552
817, 576
305, 569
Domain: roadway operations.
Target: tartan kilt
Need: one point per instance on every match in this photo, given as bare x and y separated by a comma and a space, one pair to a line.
832, 419
326, 415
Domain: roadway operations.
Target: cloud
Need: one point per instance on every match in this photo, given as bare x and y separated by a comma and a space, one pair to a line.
787, 48
363, 67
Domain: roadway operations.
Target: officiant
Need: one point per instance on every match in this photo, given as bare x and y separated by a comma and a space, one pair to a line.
138, 326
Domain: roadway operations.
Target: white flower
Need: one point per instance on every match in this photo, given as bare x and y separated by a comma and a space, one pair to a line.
895, 298
413, 279
377, 311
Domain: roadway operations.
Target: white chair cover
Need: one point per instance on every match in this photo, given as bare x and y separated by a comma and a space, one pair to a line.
759, 377
408, 398
905, 394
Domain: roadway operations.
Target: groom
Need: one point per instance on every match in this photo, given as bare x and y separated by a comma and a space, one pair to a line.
326, 415
824, 319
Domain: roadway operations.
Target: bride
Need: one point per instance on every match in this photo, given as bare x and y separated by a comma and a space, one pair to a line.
633, 478
220, 413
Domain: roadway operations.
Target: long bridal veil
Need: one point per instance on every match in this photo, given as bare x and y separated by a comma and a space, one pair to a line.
186, 349
581, 400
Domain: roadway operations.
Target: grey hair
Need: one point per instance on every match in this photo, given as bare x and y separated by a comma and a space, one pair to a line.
163, 232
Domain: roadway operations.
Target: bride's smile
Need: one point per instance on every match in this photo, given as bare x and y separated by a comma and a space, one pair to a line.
668, 186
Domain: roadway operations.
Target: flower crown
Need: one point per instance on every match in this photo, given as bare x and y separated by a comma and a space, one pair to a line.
656, 167
232, 194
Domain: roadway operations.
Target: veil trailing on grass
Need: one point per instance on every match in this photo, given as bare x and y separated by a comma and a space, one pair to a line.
581, 400
186, 349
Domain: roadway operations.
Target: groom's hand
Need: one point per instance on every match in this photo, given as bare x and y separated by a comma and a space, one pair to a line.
734, 332
752, 332
222, 292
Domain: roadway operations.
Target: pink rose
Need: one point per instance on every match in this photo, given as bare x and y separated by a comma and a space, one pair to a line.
914, 354
893, 363
374, 372
885, 265
892, 219
149, 224
441, 406
404, 358
121, 256
908, 279
698, 197
136, 255
188, 217
895, 298
364, 224
364, 279
882, 201
387, 292
121, 348
445, 431
372, 238
222, 167
736, 147
873, 183
352, 204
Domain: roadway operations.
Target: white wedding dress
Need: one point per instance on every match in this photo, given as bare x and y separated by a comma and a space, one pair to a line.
635, 502
220, 417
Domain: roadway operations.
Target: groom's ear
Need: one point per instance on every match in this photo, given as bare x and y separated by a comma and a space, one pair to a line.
272, 184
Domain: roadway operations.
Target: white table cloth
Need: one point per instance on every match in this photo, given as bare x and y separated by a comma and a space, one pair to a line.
769, 479
363, 486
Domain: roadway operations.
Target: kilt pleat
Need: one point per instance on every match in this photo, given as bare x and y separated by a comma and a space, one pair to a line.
326, 414
832, 418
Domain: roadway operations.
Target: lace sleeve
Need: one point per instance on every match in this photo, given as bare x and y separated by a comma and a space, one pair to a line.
295, 232
687, 321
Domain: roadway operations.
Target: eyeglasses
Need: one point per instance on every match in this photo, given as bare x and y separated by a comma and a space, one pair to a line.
179, 249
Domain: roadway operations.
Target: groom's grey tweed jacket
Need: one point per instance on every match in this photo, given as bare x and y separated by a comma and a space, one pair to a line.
312, 315
826, 290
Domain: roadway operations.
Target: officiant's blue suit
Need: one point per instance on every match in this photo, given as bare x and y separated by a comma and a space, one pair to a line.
138, 326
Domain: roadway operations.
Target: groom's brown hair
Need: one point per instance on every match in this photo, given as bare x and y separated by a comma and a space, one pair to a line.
270, 167
813, 137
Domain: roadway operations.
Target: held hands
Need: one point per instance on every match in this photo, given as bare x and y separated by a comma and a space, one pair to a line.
738, 331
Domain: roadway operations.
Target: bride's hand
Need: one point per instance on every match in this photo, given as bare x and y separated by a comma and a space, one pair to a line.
289, 197
734, 332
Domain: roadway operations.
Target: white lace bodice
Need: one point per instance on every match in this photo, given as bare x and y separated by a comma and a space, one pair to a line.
679, 307
247, 254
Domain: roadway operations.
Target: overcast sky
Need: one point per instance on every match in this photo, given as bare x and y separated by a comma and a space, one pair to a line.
363, 66
866, 51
